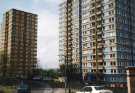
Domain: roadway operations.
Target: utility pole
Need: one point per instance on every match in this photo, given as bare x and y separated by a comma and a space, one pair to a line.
80, 39
68, 52
96, 41
98, 36
65, 71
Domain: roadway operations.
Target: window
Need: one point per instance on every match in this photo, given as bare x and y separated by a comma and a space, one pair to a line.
111, 5
99, 88
87, 89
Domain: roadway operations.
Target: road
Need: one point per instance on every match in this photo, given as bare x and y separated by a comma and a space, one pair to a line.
48, 90
45, 88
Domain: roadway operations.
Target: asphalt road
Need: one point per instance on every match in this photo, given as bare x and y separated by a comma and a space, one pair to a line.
48, 90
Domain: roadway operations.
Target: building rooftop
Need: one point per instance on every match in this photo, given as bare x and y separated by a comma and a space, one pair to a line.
13, 9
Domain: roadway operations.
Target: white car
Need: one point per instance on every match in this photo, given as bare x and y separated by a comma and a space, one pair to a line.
94, 89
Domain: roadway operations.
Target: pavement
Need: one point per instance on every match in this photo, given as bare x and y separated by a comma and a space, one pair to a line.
48, 89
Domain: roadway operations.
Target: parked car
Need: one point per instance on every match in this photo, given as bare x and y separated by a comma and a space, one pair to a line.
94, 89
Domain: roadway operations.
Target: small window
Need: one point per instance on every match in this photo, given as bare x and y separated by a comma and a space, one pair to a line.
88, 89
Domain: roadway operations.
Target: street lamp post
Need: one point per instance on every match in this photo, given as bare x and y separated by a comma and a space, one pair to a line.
65, 84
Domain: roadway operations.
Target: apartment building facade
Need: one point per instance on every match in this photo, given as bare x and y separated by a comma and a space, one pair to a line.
104, 38
69, 29
18, 44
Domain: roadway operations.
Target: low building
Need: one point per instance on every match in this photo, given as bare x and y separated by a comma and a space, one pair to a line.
131, 79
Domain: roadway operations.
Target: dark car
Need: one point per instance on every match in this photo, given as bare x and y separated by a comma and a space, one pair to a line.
23, 88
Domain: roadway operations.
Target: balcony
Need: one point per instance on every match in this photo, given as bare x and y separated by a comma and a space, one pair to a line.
99, 19
99, 26
99, 39
99, 5
100, 46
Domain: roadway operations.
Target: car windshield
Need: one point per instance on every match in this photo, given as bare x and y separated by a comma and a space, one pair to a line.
86, 89
99, 88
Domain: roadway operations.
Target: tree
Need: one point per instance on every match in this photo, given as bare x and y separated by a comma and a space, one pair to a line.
71, 72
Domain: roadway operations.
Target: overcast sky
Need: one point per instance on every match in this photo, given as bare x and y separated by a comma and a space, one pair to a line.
47, 11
